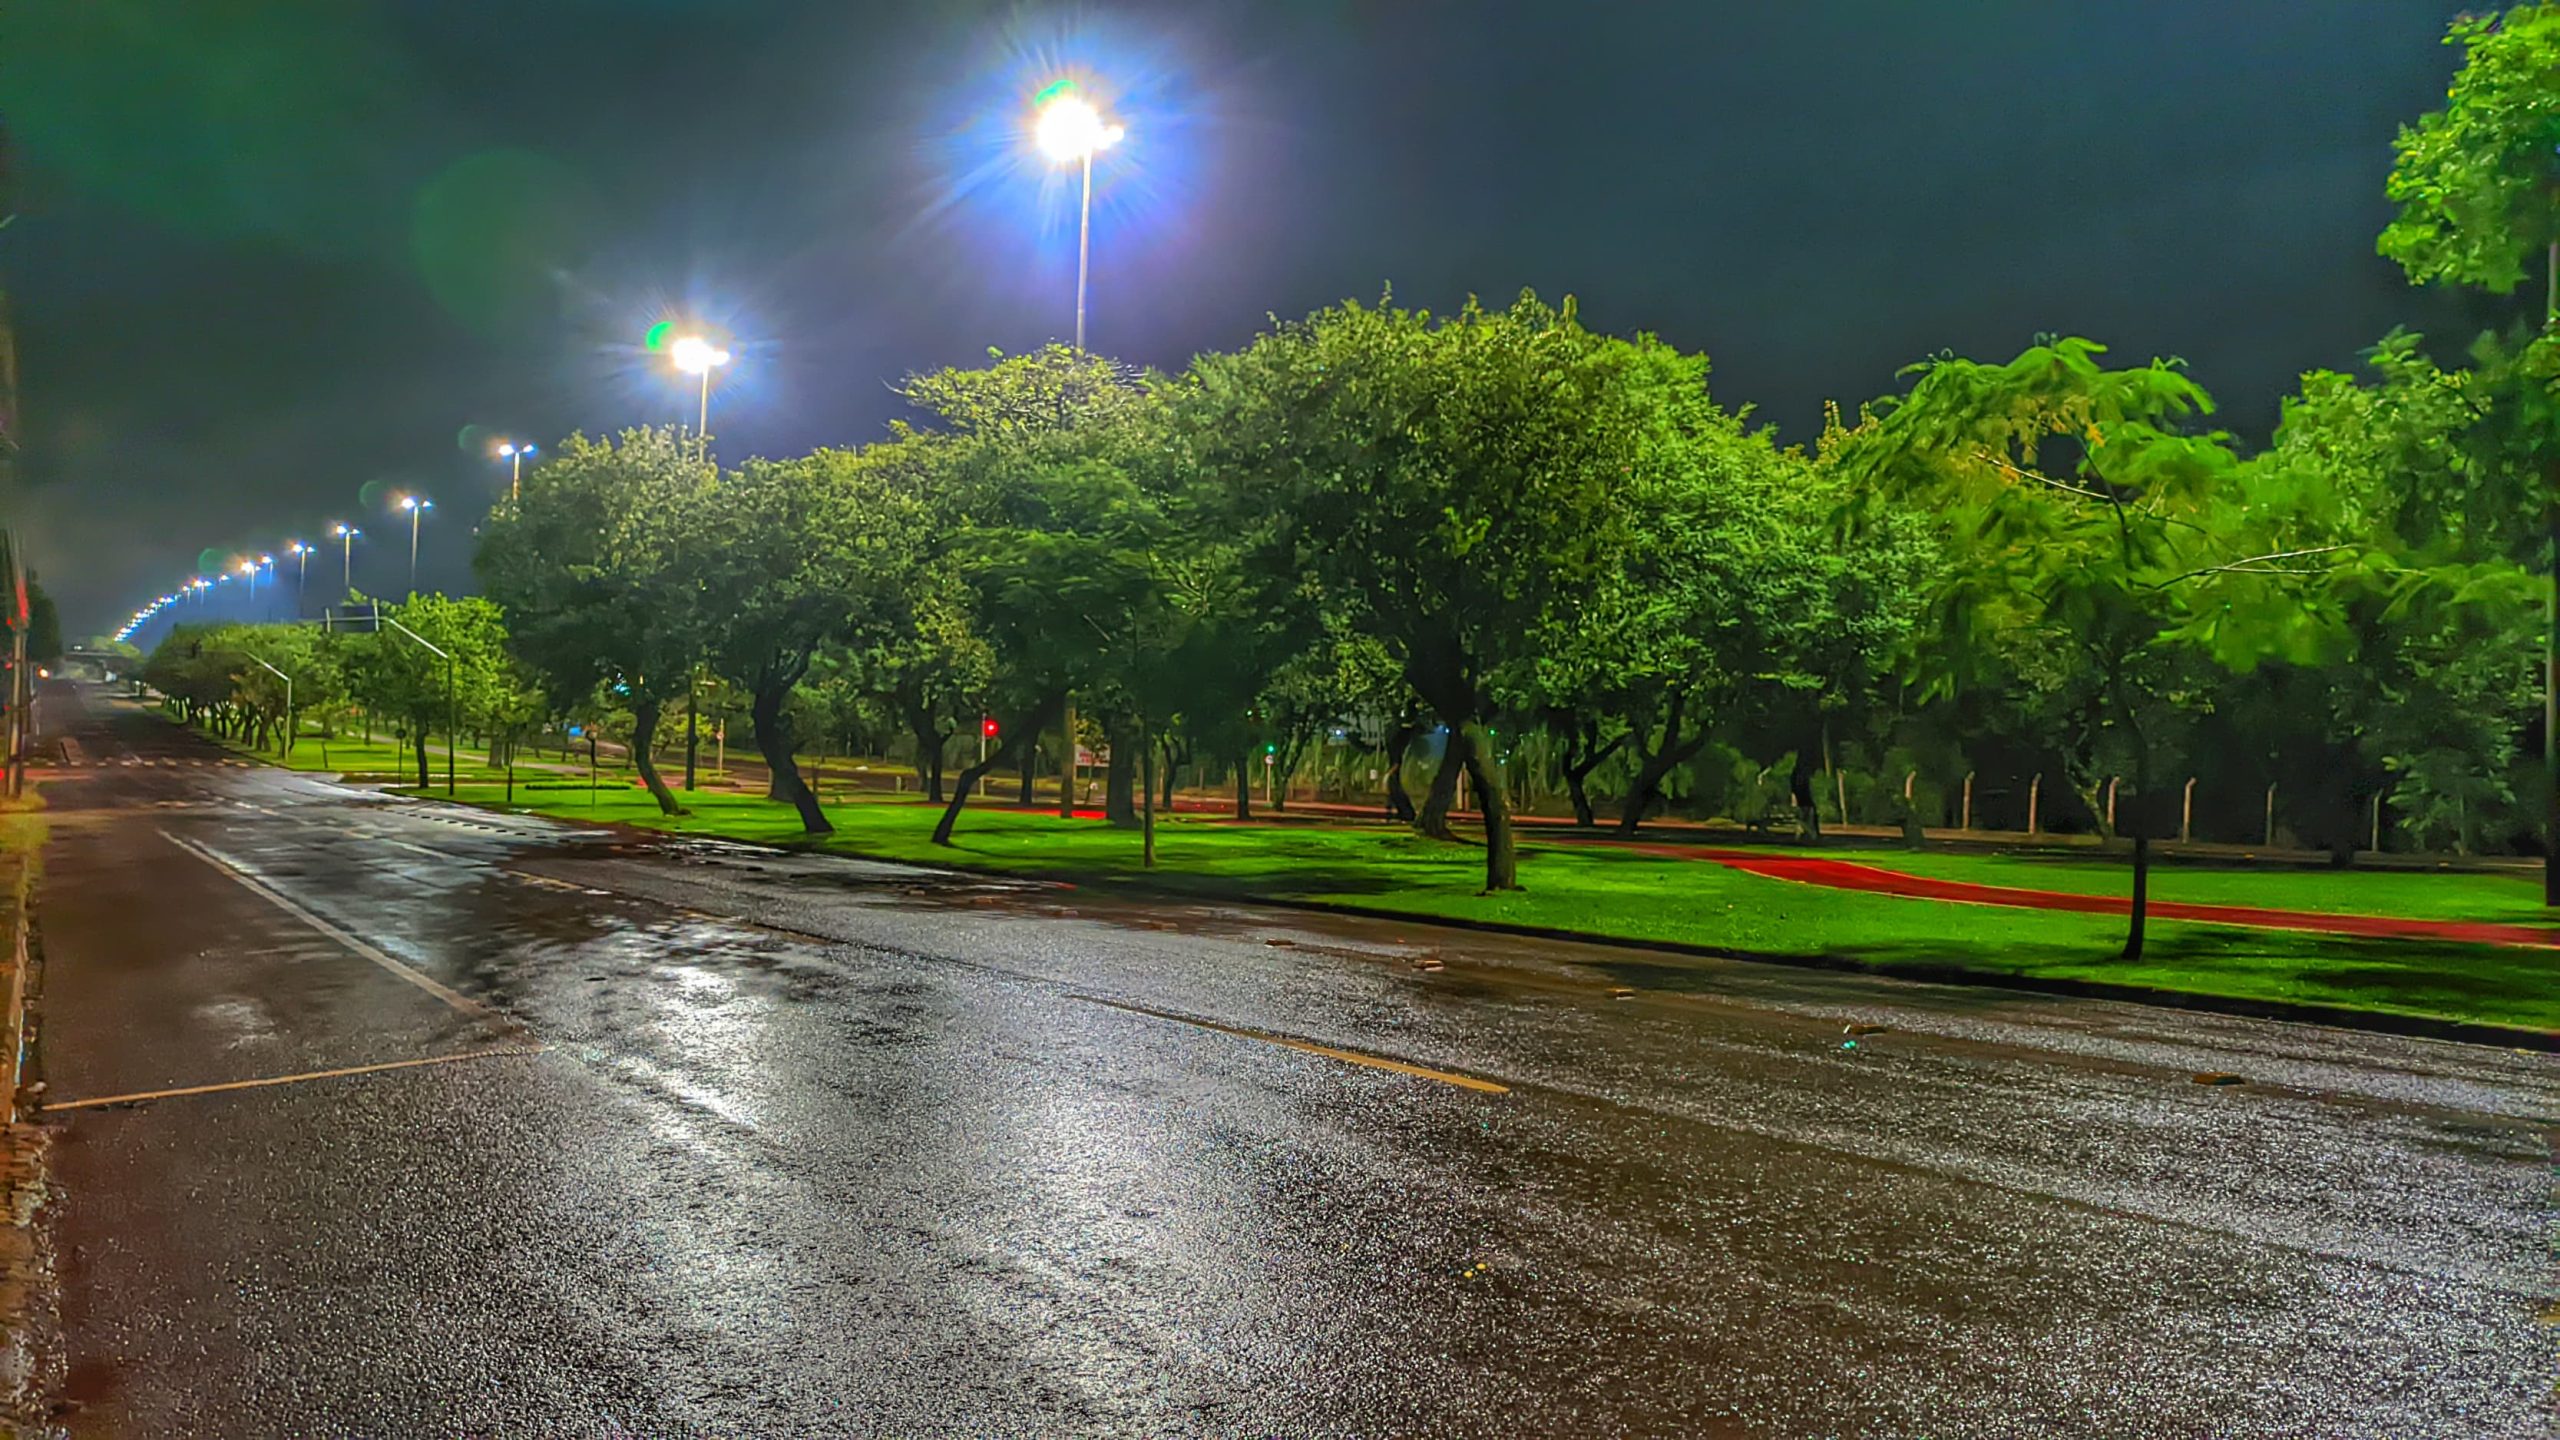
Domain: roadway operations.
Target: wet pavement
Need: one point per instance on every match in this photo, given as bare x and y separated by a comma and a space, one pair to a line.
756, 1144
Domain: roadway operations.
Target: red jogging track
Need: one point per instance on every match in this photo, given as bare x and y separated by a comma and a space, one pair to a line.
1845, 875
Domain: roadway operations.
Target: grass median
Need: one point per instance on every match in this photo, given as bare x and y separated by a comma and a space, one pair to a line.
1605, 891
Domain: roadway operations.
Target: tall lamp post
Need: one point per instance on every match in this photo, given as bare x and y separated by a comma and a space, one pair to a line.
301, 573
1069, 131
511, 451
250, 569
417, 506
346, 556
696, 356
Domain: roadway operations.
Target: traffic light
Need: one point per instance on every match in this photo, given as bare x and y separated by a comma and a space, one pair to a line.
987, 726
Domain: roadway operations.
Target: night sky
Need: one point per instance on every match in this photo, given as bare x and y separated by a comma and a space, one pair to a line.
273, 258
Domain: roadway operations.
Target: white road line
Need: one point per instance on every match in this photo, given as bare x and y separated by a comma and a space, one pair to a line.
359, 945
139, 1096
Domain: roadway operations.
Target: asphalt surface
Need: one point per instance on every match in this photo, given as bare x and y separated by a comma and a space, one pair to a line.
761, 1145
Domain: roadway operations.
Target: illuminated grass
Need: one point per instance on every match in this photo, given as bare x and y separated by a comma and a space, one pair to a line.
1611, 892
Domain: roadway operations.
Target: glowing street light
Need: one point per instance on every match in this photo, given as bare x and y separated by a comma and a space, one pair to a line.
346, 555
417, 506
696, 356
1069, 131
301, 573
510, 450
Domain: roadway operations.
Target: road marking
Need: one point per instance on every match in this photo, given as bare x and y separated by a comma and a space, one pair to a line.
141, 1095
1374, 1062
368, 950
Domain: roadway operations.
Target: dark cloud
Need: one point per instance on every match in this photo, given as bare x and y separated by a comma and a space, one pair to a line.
275, 252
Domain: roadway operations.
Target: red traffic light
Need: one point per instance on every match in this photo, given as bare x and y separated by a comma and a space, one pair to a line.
987, 727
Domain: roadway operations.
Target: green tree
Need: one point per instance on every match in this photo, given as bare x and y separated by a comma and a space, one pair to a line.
1451, 488
2079, 515
598, 564
417, 689
821, 550
2478, 186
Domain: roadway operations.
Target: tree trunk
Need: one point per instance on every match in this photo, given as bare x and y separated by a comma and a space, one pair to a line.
1399, 804
2141, 893
1119, 779
1244, 786
1674, 752
1580, 761
420, 740
644, 732
1443, 794
1025, 730
960, 788
773, 741
1147, 793
1285, 770
1501, 862
929, 743
1172, 771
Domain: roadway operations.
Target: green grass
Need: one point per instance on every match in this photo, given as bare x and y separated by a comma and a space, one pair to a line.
1609, 892
2510, 897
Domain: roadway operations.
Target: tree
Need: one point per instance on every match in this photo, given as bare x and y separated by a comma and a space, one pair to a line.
418, 690
2077, 514
820, 550
2478, 182
1449, 487
598, 563
2419, 468
2478, 186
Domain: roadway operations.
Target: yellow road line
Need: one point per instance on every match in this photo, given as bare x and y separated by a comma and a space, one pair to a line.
141, 1095
369, 951
1374, 1062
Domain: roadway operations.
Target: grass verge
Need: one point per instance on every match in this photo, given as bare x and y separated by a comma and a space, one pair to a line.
1619, 894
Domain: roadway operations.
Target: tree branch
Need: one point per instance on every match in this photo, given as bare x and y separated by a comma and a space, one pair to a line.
2255, 565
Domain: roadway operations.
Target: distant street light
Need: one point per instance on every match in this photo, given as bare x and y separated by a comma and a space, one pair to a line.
696, 356
509, 450
417, 506
1070, 130
301, 573
250, 569
346, 556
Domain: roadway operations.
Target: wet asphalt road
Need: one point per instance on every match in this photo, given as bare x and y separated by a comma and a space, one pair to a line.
763, 1145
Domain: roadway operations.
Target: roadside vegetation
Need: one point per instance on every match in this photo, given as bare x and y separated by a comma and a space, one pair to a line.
1493, 560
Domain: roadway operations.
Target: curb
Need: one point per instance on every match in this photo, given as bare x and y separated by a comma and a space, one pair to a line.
2336, 1017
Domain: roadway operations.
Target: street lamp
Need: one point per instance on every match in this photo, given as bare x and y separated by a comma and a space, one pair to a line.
510, 450
417, 506
1069, 130
301, 573
696, 356
250, 569
346, 555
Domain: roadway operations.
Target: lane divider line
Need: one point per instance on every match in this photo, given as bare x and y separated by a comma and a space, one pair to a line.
356, 943
1354, 1057
259, 1084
